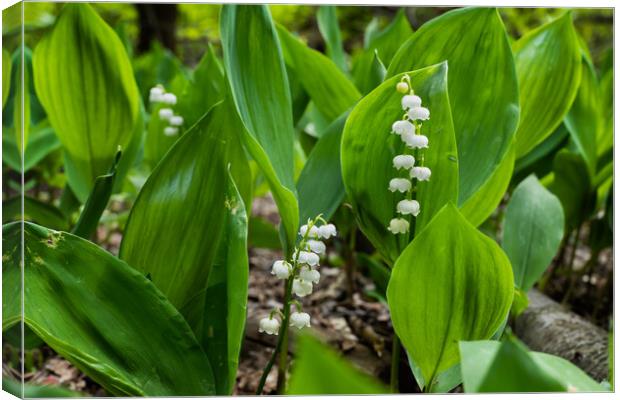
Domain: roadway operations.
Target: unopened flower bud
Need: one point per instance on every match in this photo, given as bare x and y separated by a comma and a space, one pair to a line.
407, 207
398, 225
410, 101
400, 184
420, 173
405, 161
281, 269
419, 113
402, 87
269, 326
300, 320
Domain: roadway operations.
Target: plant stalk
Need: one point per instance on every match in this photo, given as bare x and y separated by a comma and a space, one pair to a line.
394, 370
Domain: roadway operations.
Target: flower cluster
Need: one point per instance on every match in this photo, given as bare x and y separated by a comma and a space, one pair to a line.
408, 128
158, 95
301, 273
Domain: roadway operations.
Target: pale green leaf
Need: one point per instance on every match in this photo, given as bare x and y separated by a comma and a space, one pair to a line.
451, 283
482, 82
327, 19
6, 75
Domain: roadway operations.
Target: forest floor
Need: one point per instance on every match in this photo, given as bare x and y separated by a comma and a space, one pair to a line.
354, 323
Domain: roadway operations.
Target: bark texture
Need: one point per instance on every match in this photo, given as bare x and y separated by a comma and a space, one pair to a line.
548, 327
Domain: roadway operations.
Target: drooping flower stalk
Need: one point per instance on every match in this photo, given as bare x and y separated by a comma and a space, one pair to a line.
300, 273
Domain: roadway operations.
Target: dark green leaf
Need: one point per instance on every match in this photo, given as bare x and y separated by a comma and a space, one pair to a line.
41, 142
263, 234
368, 149
6, 75
483, 86
96, 202
533, 230
540, 155
320, 184
261, 95
318, 370
98, 110
36, 391
103, 316
548, 62
451, 283
327, 19
329, 88
34, 211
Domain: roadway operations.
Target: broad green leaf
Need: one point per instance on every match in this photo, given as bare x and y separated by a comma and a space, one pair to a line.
443, 382
22, 76
327, 19
329, 88
605, 140
36, 391
533, 230
34, 211
319, 370
96, 202
103, 316
482, 82
548, 62
368, 149
320, 184
490, 366
584, 118
6, 75
541, 154
379, 48
571, 184
41, 141
482, 204
226, 295
263, 234
97, 112
451, 283
193, 172
261, 95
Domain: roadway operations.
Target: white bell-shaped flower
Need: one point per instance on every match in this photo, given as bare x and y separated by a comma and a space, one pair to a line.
281, 269
169, 98
269, 326
405, 161
308, 258
411, 101
415, 141
400, 184
156, 94
418, 113
165, 113
302, 288
408, 207
314, 231
300, 320
309, 275
176, 120
326, 231
403, 127
171, 131
402, 87
420, 173
398, 225
316, 246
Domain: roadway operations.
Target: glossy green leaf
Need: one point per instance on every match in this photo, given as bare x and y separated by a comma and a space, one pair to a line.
490, 366
34, 211
36, 391
320, 184
22, 76
548, 61
319, 370
192, 172
6, 75
329, 88
541, 154
261, 95
263, 234
368, 149
226, 295
482, 204
451, 283
482, 82
571, 184
379, 48
103, 316
605, 139
41, 142
96, 203
327, 19
533, 230
98, 111
444, 382
584, 118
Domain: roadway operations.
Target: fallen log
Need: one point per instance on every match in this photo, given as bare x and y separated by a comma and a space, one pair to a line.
548, 327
